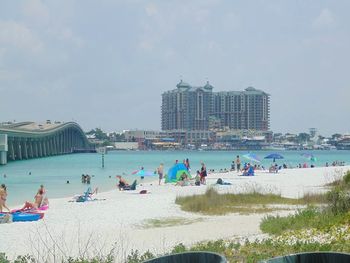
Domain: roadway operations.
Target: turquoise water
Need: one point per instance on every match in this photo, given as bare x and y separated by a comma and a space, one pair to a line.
24, 177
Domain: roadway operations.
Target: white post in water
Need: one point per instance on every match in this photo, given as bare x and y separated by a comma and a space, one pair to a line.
3, 149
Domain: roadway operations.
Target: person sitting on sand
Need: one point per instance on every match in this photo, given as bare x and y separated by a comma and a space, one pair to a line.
3, 197
272, 169
122, 183
197, 179
39, 201
184, 180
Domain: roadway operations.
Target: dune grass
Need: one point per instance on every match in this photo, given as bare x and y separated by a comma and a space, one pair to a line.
335, 212
169, 221
310, 217
213, 203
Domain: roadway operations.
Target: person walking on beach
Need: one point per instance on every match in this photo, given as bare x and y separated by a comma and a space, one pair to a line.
160, 171
238, 164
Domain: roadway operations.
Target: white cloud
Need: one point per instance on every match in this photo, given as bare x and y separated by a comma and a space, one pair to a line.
151, 9
67, 34
326, 19
201, 15
9, 75
146, 44
20, 36
35, 9
231, 21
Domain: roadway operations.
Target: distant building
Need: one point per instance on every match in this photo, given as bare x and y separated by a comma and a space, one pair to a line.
199, 108
187, 107
243, 110
137, 135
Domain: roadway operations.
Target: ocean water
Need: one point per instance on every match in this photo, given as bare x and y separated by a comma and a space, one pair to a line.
23, 178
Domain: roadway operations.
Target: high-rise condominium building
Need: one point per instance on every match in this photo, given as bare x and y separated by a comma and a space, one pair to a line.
199, 108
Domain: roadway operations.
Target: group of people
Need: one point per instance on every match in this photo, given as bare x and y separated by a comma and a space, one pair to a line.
199, 179
86, 179
40, 199
336, 163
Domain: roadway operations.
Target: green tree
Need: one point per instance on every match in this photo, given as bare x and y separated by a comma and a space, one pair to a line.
100, 135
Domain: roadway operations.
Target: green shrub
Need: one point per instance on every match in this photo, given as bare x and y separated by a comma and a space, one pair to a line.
339, 200
3, 258
347, 178
136, 257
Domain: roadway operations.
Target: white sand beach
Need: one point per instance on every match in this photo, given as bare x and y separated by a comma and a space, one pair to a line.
120, 219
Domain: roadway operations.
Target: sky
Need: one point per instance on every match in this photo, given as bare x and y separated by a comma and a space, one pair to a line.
106, 63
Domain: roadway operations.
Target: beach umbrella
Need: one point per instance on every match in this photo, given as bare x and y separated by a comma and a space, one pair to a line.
142, 173
175, 173
252, 157
274, 156
309, 156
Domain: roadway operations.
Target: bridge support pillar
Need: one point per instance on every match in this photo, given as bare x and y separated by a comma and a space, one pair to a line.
3, 148
24, 148
11, 149
18, 149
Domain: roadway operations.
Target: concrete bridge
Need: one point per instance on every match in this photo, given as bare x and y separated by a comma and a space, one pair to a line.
28, 140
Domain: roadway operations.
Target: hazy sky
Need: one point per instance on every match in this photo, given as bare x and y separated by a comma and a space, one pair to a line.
106, 63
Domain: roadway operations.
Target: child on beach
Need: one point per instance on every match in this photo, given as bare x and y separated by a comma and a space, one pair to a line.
197, 179
238, 164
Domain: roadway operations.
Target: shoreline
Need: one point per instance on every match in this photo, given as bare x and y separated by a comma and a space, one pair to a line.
123, 219
155, 181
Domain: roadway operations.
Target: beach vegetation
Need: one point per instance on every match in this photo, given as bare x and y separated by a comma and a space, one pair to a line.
263, 249
214, 203
336, 212
169, 221
310, 217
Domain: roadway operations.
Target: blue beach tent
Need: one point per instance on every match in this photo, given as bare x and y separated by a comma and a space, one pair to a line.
175, 172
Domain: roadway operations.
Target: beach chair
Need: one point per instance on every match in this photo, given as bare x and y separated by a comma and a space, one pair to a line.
86, 196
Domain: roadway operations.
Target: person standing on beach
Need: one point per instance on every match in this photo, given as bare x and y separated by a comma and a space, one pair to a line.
187, 164
3, 197
238, 164
203, 173
160, 171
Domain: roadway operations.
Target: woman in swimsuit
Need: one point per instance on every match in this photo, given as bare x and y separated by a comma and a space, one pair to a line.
3, 197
